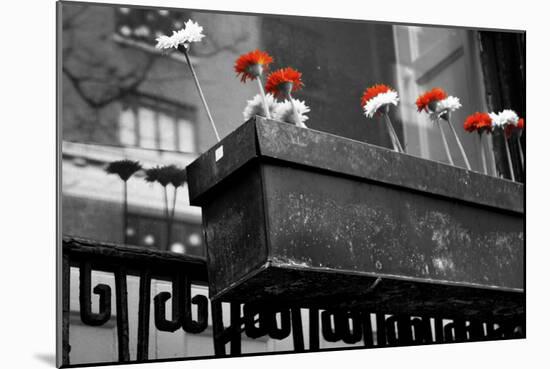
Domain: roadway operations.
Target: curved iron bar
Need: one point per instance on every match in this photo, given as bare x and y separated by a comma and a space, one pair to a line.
104, 292
455, 331
163, 324
341, 329
266, 322
391, 327
350, 336
249, 317
422, 330
189, 325
271, 322
368, 340
330, 333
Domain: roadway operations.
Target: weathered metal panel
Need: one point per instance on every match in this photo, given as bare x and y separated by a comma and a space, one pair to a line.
296, 215
221, 161
234, 226
334, 223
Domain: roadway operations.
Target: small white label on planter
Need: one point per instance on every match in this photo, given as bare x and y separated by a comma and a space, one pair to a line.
219, 153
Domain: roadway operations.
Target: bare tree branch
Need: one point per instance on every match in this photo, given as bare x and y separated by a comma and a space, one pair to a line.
122, 86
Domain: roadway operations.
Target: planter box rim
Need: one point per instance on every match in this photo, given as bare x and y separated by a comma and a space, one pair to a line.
285, 144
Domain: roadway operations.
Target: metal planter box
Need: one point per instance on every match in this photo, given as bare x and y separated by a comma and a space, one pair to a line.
298, 216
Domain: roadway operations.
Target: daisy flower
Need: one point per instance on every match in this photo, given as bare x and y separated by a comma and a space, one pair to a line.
381, 96
506, 120
284, 81
250, 65
428, 100
443, 107
438, 104
192, 32
180, 41
376, 97
284, 112
480, 122
256, 106
521, 123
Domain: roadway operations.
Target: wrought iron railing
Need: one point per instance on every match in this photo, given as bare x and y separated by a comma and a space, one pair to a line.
255, 321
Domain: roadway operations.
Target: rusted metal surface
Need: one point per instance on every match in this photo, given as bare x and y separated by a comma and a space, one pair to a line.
299, 216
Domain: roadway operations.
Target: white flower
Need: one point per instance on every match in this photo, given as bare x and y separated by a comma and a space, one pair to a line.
283, 112
192, 32
380, 100
445, 106
504, 118
164, 42
256, 106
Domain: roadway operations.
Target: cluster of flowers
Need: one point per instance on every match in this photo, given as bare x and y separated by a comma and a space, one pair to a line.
507, 120
281, 111
280, 84
435, 102
375, 101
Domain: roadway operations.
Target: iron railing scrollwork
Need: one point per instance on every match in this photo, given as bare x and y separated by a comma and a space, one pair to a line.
353, 326
122, 261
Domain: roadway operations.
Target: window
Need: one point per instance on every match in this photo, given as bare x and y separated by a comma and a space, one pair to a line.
145, 25
152, 123
430, 57
150, 231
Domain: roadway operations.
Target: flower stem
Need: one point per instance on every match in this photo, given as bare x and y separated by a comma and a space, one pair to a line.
184, 50
393, 134
483, 159
392, 138
262, 93
297, 119
521, 158
509, 157
171, 220
459, 145
445, 144
174, 203
167, 215
125, 214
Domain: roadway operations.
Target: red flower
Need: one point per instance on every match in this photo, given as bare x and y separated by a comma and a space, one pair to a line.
281, 79
249, 65
373, 91
435, 95
521, 123
478, 122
